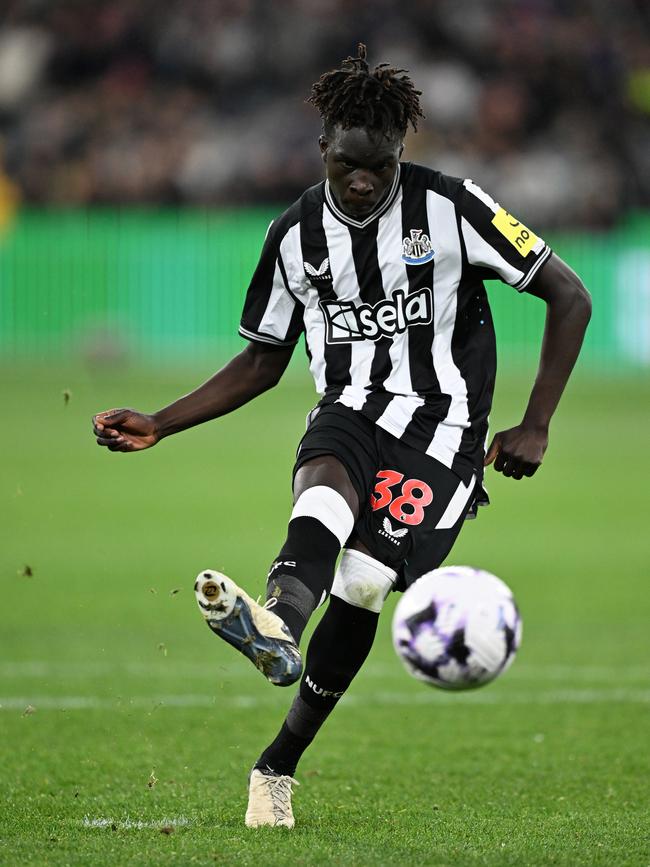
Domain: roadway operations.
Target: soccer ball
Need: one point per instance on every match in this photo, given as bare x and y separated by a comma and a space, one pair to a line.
457, 627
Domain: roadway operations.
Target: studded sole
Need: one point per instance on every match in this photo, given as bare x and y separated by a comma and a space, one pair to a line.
281, 665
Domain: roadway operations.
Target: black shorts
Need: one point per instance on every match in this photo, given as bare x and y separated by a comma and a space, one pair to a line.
412, 507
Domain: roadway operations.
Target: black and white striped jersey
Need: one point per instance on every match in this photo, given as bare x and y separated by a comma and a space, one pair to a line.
395, 315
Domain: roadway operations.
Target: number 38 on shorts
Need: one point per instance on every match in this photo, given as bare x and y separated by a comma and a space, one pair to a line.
405, 500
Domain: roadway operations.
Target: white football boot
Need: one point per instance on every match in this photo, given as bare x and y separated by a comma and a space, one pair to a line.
269, 800
253, 629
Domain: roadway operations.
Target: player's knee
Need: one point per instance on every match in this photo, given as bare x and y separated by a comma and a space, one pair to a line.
363, 581
326, 471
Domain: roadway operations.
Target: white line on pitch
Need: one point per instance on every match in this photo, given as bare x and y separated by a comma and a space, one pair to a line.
424, 697
171, 669
137, 824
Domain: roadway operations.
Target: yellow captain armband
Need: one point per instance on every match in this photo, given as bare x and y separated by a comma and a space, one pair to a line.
521, 238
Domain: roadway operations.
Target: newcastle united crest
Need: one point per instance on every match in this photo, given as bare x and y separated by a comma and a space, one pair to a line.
417, 250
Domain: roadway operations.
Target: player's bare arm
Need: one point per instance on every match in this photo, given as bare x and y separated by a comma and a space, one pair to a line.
518, 451
255, 370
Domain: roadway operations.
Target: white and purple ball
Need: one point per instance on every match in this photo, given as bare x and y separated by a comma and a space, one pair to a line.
457, 627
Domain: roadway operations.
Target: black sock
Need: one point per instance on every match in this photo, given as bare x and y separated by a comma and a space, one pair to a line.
337, 650
302, 572
284, 753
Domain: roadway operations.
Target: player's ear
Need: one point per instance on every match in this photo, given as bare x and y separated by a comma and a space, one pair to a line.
323, 144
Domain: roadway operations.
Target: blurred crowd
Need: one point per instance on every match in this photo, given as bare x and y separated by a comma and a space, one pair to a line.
545, 103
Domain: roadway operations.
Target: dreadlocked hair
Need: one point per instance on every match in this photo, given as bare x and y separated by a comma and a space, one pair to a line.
384, 100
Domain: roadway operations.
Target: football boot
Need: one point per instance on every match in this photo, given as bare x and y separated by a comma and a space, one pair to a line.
269, 800
251, 628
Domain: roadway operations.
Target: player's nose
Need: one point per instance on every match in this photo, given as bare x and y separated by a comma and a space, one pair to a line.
361, 185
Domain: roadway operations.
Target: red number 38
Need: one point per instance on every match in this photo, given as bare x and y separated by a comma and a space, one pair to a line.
409, 507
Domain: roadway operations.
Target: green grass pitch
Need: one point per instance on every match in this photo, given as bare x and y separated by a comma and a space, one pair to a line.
127, 729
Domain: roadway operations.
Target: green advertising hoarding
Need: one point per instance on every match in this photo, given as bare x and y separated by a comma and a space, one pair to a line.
169, 284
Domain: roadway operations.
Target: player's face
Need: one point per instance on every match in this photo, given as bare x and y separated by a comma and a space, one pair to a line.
360, 167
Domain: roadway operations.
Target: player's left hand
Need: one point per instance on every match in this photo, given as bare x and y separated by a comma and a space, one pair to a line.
518, 451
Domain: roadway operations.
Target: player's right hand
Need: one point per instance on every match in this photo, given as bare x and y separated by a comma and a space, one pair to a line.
125, 430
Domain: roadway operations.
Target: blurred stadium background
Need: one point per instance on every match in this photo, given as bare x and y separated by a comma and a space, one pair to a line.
144, 152
144, 147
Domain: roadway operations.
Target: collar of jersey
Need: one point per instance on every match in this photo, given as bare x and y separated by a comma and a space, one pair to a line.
383, 207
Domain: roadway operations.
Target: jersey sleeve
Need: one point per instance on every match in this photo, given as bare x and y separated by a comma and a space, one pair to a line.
497, 241
271, 313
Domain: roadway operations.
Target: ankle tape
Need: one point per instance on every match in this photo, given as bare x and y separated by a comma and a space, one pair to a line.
292, 591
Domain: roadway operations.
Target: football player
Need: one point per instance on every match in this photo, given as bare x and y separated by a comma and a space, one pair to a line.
381, 268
